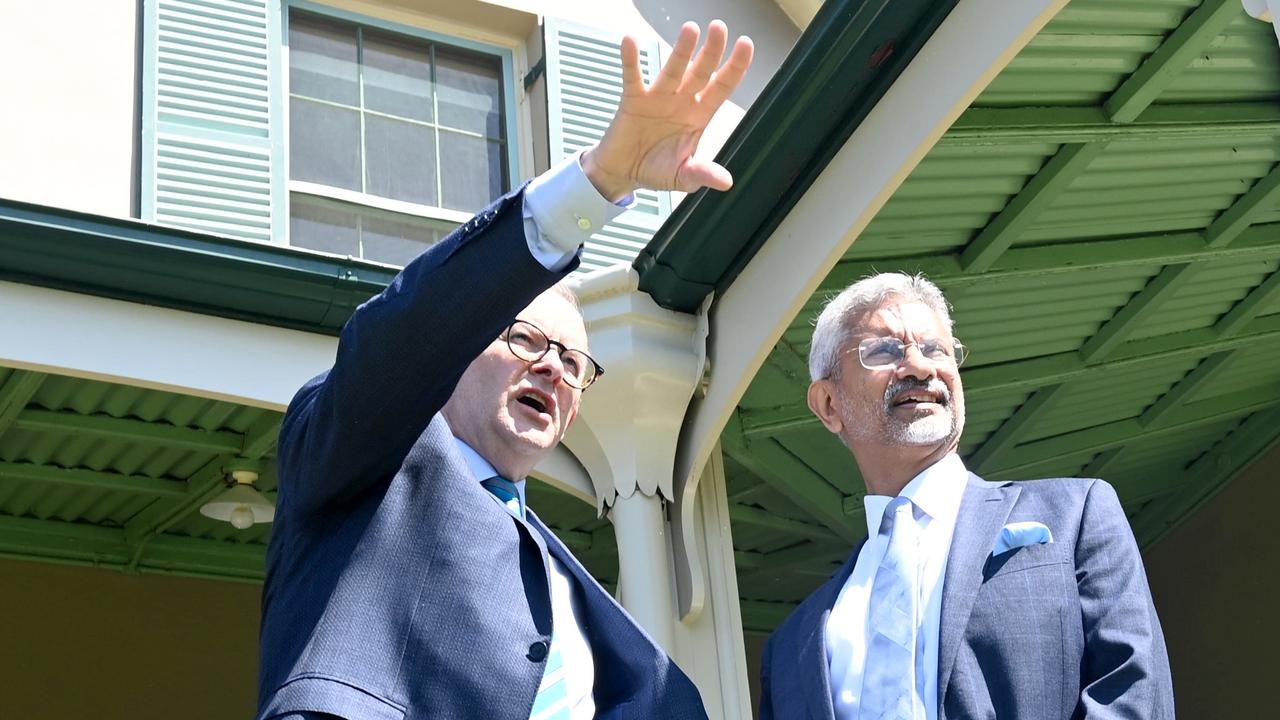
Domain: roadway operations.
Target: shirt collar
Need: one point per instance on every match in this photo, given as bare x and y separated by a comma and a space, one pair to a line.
936, 491
482, 469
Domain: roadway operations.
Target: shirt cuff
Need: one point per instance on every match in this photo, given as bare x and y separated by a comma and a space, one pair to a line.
562, 209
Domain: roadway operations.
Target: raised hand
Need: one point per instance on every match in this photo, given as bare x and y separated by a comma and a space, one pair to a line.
651, 140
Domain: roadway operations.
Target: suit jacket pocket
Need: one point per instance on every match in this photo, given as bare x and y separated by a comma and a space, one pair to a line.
316, 693
1024, 558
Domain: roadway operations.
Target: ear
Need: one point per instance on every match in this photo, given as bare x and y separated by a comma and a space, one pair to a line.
822, 401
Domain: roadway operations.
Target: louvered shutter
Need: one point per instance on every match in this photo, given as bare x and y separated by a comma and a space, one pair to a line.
584, 83
212, 145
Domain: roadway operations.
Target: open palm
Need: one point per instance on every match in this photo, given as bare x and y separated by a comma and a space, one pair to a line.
652, 138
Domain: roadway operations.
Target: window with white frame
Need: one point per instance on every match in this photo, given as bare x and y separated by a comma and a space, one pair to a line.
394, 138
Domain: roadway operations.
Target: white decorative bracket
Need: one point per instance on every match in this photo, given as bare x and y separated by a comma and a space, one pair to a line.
1264, 10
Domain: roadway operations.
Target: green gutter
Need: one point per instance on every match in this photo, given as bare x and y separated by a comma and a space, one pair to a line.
841, 66
169, 267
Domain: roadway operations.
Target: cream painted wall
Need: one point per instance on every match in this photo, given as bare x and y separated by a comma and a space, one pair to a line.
69, 131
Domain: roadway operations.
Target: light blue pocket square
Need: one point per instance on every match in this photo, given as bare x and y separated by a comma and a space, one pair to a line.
1021, 534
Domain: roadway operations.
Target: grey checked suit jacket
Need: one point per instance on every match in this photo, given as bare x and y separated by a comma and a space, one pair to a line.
397, 587
1044, 632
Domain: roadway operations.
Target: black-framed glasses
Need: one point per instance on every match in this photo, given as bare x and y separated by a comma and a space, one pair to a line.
527, 342
884, 353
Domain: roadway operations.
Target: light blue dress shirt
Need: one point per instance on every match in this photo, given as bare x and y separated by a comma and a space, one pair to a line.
937, 491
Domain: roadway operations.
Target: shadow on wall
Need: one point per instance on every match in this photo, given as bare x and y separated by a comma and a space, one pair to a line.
1215, 587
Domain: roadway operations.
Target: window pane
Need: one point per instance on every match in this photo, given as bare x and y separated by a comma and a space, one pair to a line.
471, 171
397, 76
322, 60
324, 144
401, 159
397, 241
470, 89
321, 226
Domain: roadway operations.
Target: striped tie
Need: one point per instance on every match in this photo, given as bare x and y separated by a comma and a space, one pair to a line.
552, 700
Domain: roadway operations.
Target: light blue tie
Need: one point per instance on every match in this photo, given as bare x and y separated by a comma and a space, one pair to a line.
891, 677
552, 700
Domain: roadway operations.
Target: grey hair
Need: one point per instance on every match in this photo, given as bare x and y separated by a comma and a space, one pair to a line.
834, 325
565, 292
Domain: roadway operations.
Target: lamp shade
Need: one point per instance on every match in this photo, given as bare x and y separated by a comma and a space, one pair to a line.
240, 505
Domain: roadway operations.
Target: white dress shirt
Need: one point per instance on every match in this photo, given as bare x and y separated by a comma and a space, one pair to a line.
566, 617
937, 492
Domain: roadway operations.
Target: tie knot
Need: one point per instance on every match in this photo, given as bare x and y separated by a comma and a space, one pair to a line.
900, 510
507, 492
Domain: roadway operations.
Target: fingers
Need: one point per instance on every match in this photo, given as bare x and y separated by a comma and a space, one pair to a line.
696, 174
726, 79
707, 59
672, 74
632, 78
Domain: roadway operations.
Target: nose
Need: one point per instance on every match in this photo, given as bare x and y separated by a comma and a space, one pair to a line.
549, 365
915, 365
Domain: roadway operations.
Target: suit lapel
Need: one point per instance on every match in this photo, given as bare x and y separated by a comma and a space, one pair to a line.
983, 511
804, 665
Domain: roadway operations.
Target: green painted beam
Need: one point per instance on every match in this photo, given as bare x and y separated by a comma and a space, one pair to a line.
792, 479
1119, 433
1129, 318
1006, 436
1260, 199
203, 485
1168, 404
1163, 66
91, 479
1208, 475
54, 541
1257, 243
137, 431
18, 389
756, 517
260, 437
1034, 373
807, 560
1039, 193
1097, 468
1248, 308
1074, 124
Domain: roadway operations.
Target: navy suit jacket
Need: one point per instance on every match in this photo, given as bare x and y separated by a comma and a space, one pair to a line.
397, 586
1061, 630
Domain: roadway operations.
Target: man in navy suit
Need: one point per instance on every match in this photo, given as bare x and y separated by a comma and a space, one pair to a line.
406, 578
969, 599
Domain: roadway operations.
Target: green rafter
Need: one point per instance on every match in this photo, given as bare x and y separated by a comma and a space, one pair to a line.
792, 479
260, 437
91, 479
1248, 308
1097, 468
1209, 474
1026, 206
1072, 124
105, 426
1245, 210
102, 547
17, 391
1165, 407
1115, 331
744, 515
1015, 463
1257, 243
1162, 67
1006, 437
764, 617
161, 515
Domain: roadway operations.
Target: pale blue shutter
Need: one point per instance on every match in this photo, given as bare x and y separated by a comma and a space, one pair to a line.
584, 83
212, 144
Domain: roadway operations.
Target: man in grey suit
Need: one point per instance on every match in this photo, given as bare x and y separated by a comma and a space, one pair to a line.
406, 578
969, 599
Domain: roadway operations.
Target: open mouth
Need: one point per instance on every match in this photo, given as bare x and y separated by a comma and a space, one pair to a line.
540, 402
913, 398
